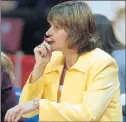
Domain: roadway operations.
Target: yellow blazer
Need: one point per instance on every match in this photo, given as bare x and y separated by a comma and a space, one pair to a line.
90, 91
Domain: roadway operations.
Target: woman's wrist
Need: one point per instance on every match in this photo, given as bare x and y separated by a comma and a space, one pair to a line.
37, 72
39, 66
36, 103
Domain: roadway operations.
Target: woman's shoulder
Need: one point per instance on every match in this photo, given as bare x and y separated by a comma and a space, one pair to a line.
98, 55
94, 60
98, 58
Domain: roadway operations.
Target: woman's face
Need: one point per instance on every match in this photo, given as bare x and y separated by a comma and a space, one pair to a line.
57, 38
119, 27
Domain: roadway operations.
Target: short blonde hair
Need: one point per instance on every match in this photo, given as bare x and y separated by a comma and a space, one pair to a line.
76, 18
7, 65
120, 13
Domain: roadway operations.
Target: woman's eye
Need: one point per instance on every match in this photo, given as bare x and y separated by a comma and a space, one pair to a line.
57, 27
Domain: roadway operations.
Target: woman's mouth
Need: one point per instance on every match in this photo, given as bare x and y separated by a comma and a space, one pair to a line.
49, 42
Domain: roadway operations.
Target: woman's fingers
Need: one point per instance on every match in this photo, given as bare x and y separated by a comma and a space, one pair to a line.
48, 47
6, 116
43, 53
15, 114
45, 48
19, 116
40, 50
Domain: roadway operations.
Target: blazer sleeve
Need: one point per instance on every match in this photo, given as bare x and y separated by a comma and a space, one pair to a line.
32, 91
103, 86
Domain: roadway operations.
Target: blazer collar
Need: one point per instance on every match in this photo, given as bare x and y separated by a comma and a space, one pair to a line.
81, 65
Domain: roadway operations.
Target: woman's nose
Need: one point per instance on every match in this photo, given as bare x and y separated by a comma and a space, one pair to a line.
46, 36
48, 33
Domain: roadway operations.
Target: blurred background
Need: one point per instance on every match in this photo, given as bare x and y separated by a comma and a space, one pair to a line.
23, 25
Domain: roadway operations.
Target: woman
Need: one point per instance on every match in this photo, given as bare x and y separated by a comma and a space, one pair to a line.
72, 80
115, 48
8, 97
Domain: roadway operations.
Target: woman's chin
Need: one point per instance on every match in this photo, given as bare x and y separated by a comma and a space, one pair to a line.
54, 48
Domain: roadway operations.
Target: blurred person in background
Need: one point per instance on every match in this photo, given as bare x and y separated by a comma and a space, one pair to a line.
7, 6
114, 47
72, 79
34, 14
119, 25
8, 96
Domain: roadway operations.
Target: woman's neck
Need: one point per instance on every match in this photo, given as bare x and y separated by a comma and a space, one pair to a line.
71, 58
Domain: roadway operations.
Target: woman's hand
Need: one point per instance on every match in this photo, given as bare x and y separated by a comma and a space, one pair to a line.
15, 113
43, 53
